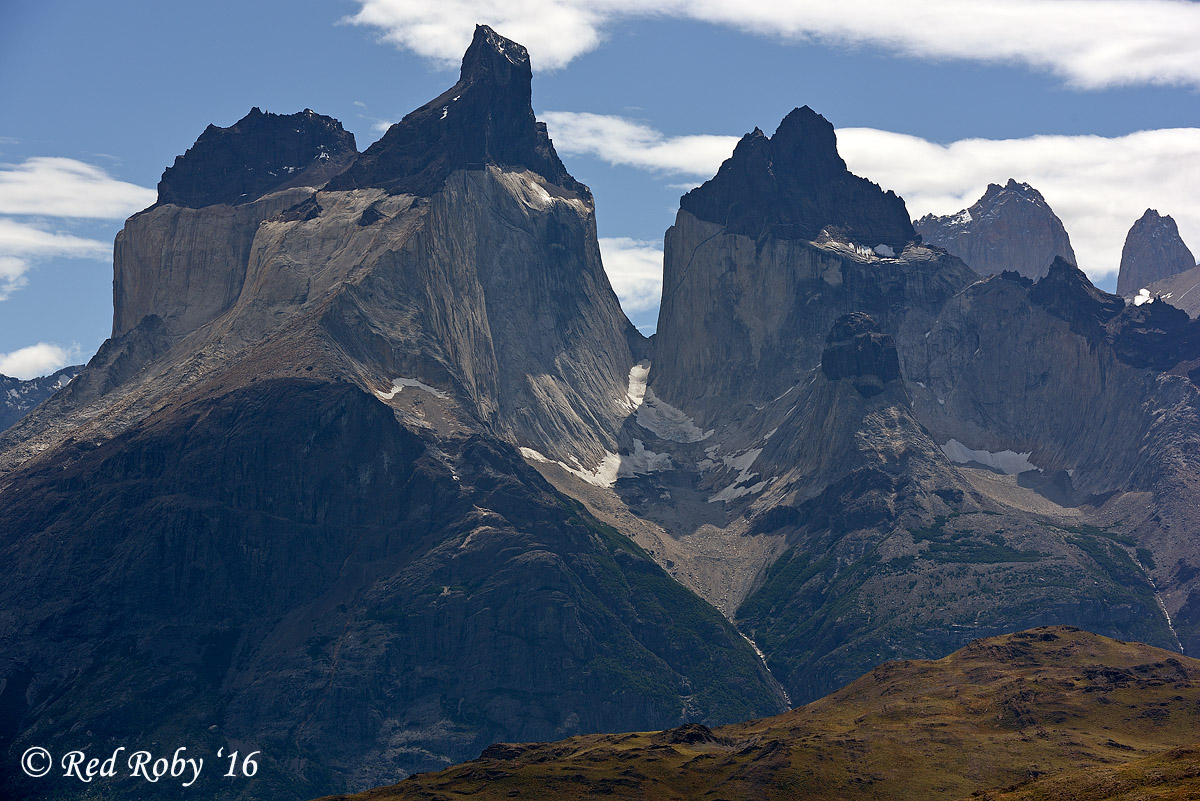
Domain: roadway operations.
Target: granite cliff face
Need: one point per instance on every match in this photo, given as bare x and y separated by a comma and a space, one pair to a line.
1153, 251
18, 397
1010, 228
290, 481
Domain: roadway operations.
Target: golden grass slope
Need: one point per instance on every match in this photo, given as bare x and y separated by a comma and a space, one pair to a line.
1050, 713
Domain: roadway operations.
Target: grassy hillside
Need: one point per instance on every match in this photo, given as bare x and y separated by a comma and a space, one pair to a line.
1050, 713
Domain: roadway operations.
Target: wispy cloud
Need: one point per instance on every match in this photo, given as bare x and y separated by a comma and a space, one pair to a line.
1097, 185
635, 270
1088, 43
46, 188
22, 243
62, 187
40, 359
621, 141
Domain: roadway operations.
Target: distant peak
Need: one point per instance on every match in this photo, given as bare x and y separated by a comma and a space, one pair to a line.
1013, 186
1153, 251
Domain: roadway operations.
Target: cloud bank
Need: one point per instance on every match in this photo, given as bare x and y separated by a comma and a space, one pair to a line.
635, 270
1089, 44
61, 187
40, 359
1097, 185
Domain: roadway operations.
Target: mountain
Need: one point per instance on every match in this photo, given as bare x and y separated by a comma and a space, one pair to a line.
374, 472
282, 509
862, 453
1153, 251
1010, 228
1178, 290
1046, 713
17, 397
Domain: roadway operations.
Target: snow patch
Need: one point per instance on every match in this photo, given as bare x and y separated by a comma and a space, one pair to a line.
742, 463
667, 422
612, 466
398, 384
1010, 463
636, 392
642, 461
1143, 296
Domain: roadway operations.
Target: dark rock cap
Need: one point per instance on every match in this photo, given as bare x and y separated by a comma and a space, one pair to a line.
794, 185
1153, 251
857, 349
1068, 294
258, 154
485, 118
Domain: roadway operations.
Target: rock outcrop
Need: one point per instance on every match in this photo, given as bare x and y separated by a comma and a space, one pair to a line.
1153, 251
1010, 228
857, 350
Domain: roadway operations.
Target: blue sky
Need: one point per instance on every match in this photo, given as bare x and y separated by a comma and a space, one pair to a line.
1094, 102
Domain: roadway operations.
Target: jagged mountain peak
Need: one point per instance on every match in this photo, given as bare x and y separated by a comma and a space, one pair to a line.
260, 153
996, 193
1153, 251
485, 118
489, 51
1010, 227
794, 185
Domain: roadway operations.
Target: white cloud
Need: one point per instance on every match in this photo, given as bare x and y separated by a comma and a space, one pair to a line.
1088, 43
40, 359
62, 187
24, 239
635, 270
21, 243
618, 140
1097, 185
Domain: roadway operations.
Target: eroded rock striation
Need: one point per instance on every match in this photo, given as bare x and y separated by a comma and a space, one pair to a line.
1010, 228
